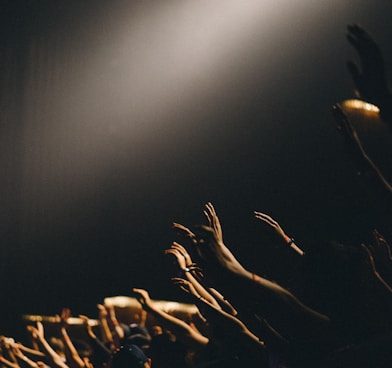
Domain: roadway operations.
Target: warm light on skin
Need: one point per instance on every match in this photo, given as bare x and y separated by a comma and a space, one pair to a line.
360, 105
166, 305
53, 319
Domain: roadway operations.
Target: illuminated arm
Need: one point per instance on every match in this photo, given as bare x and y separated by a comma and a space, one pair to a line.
55, 359
189, 336
271, 222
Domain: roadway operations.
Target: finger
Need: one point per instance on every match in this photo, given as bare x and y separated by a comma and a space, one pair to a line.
40, 327
137, 291
261, 214
211, 208
180, 248
264, 217
184, 289
269, 221
177, 279
208, 217
184, 231
182, 228
174, 252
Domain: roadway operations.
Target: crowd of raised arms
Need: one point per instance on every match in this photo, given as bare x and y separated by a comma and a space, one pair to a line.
243, 319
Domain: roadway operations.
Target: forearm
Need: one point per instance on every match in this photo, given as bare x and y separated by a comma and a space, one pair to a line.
189, 336
73, 358
8, 363
278, 306
31, 352
53, 356
27, 362
106, 334
200, 289
231, 326
117, 329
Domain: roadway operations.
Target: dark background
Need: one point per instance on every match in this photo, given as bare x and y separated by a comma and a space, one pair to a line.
120, 117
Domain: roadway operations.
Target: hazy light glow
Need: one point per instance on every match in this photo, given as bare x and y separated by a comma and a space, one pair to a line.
120, 86
360, 105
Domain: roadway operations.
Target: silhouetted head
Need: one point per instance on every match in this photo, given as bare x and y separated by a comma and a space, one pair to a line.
130, 356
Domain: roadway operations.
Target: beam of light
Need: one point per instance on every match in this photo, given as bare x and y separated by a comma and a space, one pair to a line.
120, 88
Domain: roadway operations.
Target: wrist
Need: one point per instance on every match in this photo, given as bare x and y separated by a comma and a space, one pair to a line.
290, 241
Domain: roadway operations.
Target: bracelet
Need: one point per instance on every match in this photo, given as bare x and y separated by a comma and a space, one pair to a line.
291, 241
186, 269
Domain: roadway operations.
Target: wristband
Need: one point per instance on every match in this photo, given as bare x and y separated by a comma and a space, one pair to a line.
291, 241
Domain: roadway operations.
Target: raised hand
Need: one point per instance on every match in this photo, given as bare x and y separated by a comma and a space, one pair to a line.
271, 222
374, 269
369, 78
62, 319
213, 220
213, 251
102, 311
38, 331
86, 323
184, 232
381, 248
176, 250
184, 253
143, 298
345, 126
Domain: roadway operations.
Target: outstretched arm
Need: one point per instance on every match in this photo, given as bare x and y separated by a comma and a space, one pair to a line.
185, 263
347, 129
189, 336
213, 220
271, 222
106, 333
38, 332
101, 352
116, 329
285, 313
24, 360
379, 277
237, 335
73, 358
